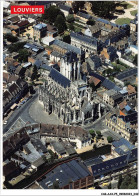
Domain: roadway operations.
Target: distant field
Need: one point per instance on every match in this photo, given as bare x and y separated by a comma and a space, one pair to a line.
126, 5
121, 21
136, 2
134, 12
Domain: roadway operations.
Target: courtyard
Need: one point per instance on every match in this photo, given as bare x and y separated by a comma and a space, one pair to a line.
37, 112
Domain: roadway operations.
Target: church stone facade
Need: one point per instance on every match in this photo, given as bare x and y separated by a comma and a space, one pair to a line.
66, 95
70, 66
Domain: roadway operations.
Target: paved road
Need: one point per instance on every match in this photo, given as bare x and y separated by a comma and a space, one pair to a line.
21, 112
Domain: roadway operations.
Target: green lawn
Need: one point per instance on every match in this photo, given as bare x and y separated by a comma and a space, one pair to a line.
122, 67
121, 21
77, 29
134, 12
126, 5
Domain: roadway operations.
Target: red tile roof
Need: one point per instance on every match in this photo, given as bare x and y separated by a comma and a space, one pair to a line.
131, 89
96, 81
122, 104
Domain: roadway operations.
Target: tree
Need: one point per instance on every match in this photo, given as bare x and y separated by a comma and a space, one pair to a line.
92, 132
90, 22
111, 78
10, 37
34, 75
133, 185
28, 35
110, 139
109, 186
67, 39
51, 14
120, 181
128, 182
34, 37
92, 85
135, 59
98, 133
103, 8
23, 55
60, 24
127, 83
71, 27
95, 147
16, 47
40, 40
77, 5
70, 18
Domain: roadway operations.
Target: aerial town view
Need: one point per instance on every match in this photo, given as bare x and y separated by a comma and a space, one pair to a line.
70, 111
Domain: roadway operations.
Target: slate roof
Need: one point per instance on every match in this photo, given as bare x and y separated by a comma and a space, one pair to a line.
40, 26
64, 7
56, 54
71, 57
127, 73
130, 117
59, 78
95, 58
45, 67
39, 146
83, 15
84, 38
111, 50
114, 164
93, 161
117, 97
101, 78
33, 46
68, 47
38, 64
38, 162
122, 141
105, 82
72, 170
110, 85
107, 22
122, 146
58, 147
